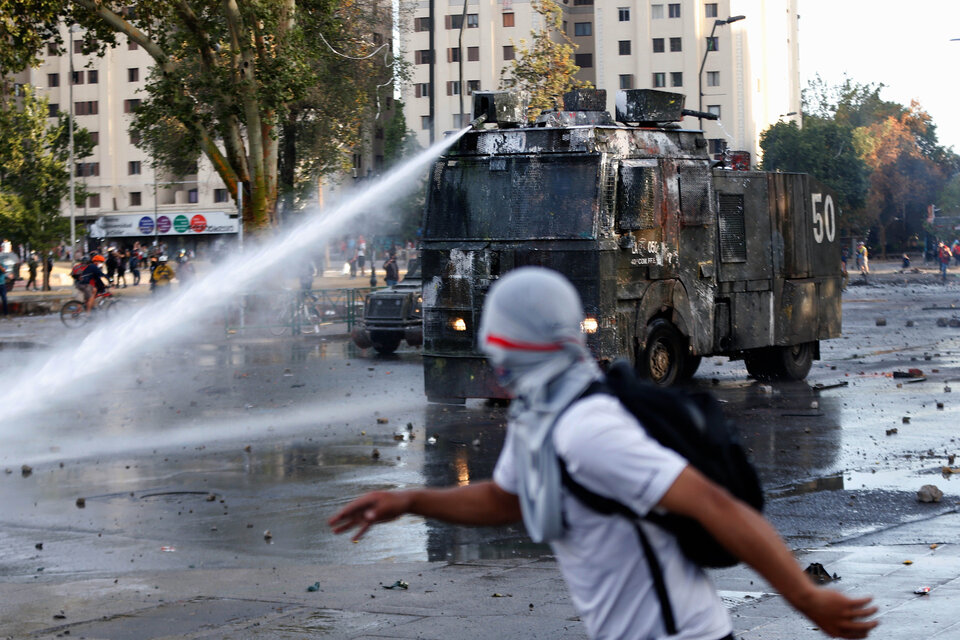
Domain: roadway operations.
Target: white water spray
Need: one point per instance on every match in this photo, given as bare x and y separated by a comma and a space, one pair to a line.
50, 376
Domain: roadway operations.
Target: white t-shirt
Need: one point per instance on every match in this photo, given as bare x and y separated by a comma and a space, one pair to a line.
600, 555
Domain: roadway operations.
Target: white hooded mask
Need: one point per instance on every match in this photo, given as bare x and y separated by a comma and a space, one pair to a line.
530, 332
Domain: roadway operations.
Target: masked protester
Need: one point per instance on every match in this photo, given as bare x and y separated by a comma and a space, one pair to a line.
530, 332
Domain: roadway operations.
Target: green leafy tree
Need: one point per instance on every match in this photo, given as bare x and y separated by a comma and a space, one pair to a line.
950, 196
544, 67
244, 83
33, 169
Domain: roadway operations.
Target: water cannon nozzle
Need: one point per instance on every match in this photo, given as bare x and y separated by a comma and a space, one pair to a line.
477, 123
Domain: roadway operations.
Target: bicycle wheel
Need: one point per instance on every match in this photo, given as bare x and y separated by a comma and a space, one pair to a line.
309, 319
73, 314
112, 307
282, 323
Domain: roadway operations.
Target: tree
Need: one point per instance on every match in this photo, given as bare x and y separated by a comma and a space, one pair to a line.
244, 83
545, 68
824, 149
33, 169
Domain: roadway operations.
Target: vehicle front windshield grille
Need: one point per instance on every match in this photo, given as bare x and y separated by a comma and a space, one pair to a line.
514, 198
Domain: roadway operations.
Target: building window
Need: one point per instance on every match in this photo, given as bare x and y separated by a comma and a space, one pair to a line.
421, 24
659, 80
656, 12
453, 54
508, 53
453, 87
129, 106
583, 60
422, 56
508, 19
53, 110
582, 29
624, 14
674, 10
713, 78
473, 20
563, 27
422, 90
714, 109
193, 196
676, 44
93, 77
78, 46
132, 46
87, 169
52, 49
626, 81
94, 138
135, 199
53, 79
133, 74
624, 47
454, 21
86, 108
717, 146
133, 168
577, 3
425, 122
710, 9
658, 45
220, 195
76, 77
473, 54
713, 43
93, 202
676, 78
135, 138
472, 85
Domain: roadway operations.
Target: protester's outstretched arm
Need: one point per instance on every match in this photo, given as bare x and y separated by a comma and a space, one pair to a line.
482, 503
751, 538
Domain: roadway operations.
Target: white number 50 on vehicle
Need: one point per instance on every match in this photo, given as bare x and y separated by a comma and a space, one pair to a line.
824, 222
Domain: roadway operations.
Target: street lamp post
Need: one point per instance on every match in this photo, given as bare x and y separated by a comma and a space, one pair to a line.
72, 167
703, 63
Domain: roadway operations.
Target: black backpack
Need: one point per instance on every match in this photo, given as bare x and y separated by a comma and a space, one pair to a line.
693, 425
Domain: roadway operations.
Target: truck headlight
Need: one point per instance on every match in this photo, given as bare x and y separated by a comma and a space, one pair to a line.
589, 325
458, 324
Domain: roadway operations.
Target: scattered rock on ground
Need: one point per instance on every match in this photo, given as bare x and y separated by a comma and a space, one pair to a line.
929, 493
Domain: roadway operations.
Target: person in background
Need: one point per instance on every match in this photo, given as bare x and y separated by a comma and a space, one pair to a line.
3, 289
943, 256
47, 270
391, 271
956, 250
134, 264
122, 257
863, 260
361, 255
32, 264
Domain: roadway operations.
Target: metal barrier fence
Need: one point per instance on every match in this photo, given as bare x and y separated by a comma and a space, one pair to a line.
296, 312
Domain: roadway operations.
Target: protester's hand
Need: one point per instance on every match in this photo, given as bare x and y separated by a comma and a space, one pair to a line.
838, 615
370, 509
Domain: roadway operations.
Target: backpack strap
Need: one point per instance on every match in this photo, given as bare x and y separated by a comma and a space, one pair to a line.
608, 506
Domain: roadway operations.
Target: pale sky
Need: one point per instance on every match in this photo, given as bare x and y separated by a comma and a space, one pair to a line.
905, 44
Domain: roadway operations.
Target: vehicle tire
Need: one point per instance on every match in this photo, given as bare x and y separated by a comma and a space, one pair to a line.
690, 366
795, 361
385, 344
662, 360
759, 364
73, 314
282, 323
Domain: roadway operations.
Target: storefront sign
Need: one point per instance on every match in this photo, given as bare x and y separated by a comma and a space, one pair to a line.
175, 224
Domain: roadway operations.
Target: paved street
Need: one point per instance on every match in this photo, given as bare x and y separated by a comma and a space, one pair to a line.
207, 469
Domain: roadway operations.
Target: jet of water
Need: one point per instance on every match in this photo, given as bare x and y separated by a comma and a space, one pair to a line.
60, 373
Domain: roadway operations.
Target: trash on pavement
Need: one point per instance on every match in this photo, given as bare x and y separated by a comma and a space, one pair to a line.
909, 373
908, 562
892, 432
399, 584
819, 574
81, 503
167, 549
929, 493
267, 535
502, 595
382, 420
26, 470
314, 587
922, 591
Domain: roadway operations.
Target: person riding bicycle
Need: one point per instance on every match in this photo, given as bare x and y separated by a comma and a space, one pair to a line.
92, 279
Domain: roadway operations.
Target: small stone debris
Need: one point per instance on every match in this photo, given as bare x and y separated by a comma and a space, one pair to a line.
892, 432
946, 388
314, 587
26, 470
399, 584
819, 574
905, 419
910, 323
940, 406
942, 322
267, 535
211, 497
382, 420
248, 448
954, 322
38, 546
951, 458
908, 562
81, 503
881, 322
8, 471
59, 616
400, 436
948, 471
409, 426
934, 545
502, 595
929, 493
376, 454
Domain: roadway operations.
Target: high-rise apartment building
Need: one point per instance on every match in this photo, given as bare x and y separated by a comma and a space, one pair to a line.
746, 69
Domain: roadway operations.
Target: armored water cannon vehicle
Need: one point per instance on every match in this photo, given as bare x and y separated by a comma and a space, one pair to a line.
674, 258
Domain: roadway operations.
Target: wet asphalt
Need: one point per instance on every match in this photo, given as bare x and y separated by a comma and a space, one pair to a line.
230, 451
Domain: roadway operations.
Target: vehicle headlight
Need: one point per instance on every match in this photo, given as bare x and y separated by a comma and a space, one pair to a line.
589, 325
458, 324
